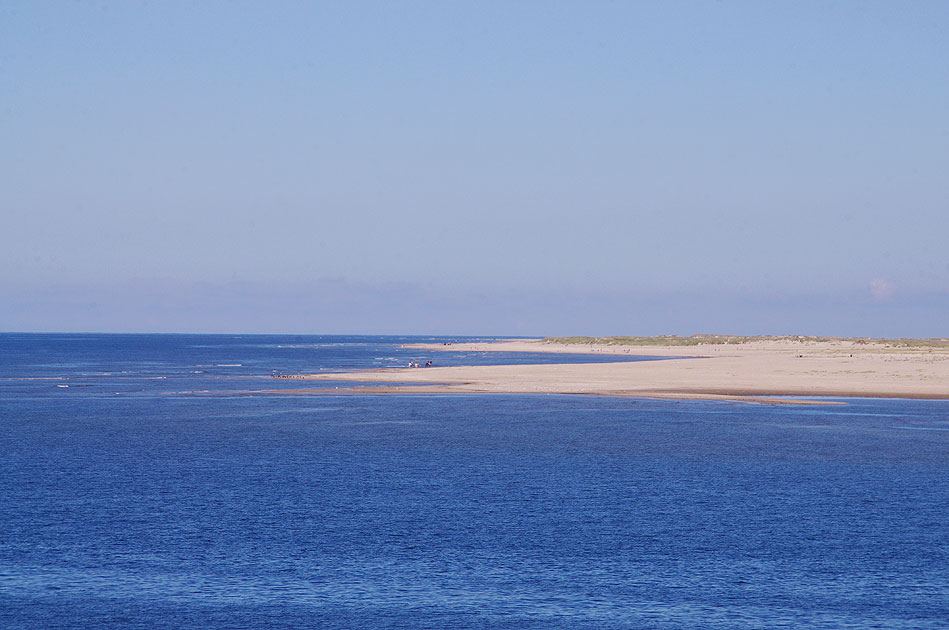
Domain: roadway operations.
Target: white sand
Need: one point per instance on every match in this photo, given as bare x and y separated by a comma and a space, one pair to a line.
750, 371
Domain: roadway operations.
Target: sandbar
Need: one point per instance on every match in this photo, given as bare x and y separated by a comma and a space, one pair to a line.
755, 371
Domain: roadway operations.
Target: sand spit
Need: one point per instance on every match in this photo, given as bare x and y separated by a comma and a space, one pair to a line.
753, 372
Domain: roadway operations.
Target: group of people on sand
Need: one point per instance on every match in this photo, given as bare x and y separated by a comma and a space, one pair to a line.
416, 364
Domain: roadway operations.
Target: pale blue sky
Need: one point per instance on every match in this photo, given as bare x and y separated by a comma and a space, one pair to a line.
485, 168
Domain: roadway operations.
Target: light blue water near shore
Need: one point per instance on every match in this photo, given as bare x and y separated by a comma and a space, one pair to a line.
158, 490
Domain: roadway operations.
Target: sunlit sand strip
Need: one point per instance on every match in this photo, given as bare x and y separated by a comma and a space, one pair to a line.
751, 372
455, 390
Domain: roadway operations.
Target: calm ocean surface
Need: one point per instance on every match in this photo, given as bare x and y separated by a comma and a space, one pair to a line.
159, 490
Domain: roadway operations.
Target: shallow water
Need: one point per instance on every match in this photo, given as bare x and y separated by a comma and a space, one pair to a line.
159, 507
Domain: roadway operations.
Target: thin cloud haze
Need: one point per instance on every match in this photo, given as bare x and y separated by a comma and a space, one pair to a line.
578, 168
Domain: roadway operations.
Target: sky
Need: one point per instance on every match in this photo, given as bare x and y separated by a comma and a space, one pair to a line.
495, 168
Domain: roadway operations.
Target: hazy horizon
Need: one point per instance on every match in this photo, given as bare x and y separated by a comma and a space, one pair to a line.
487, 169
316, 309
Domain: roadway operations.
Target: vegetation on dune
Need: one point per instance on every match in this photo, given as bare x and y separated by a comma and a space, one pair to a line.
906, 342
697, 340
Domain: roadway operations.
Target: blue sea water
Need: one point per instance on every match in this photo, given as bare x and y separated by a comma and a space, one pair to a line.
161, 488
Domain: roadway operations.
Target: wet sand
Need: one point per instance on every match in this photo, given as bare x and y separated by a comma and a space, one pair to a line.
754, 371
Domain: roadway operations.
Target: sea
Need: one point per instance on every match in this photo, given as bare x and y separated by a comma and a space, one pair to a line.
169, 481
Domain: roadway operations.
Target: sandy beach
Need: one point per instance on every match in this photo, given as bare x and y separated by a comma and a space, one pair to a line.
753, 371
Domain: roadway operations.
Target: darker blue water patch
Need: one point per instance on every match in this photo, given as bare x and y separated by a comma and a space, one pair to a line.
465, 511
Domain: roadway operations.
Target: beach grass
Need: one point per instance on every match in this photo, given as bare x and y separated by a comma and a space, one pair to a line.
706, 339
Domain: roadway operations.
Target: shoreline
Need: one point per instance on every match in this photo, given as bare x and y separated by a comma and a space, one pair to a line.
750, 372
